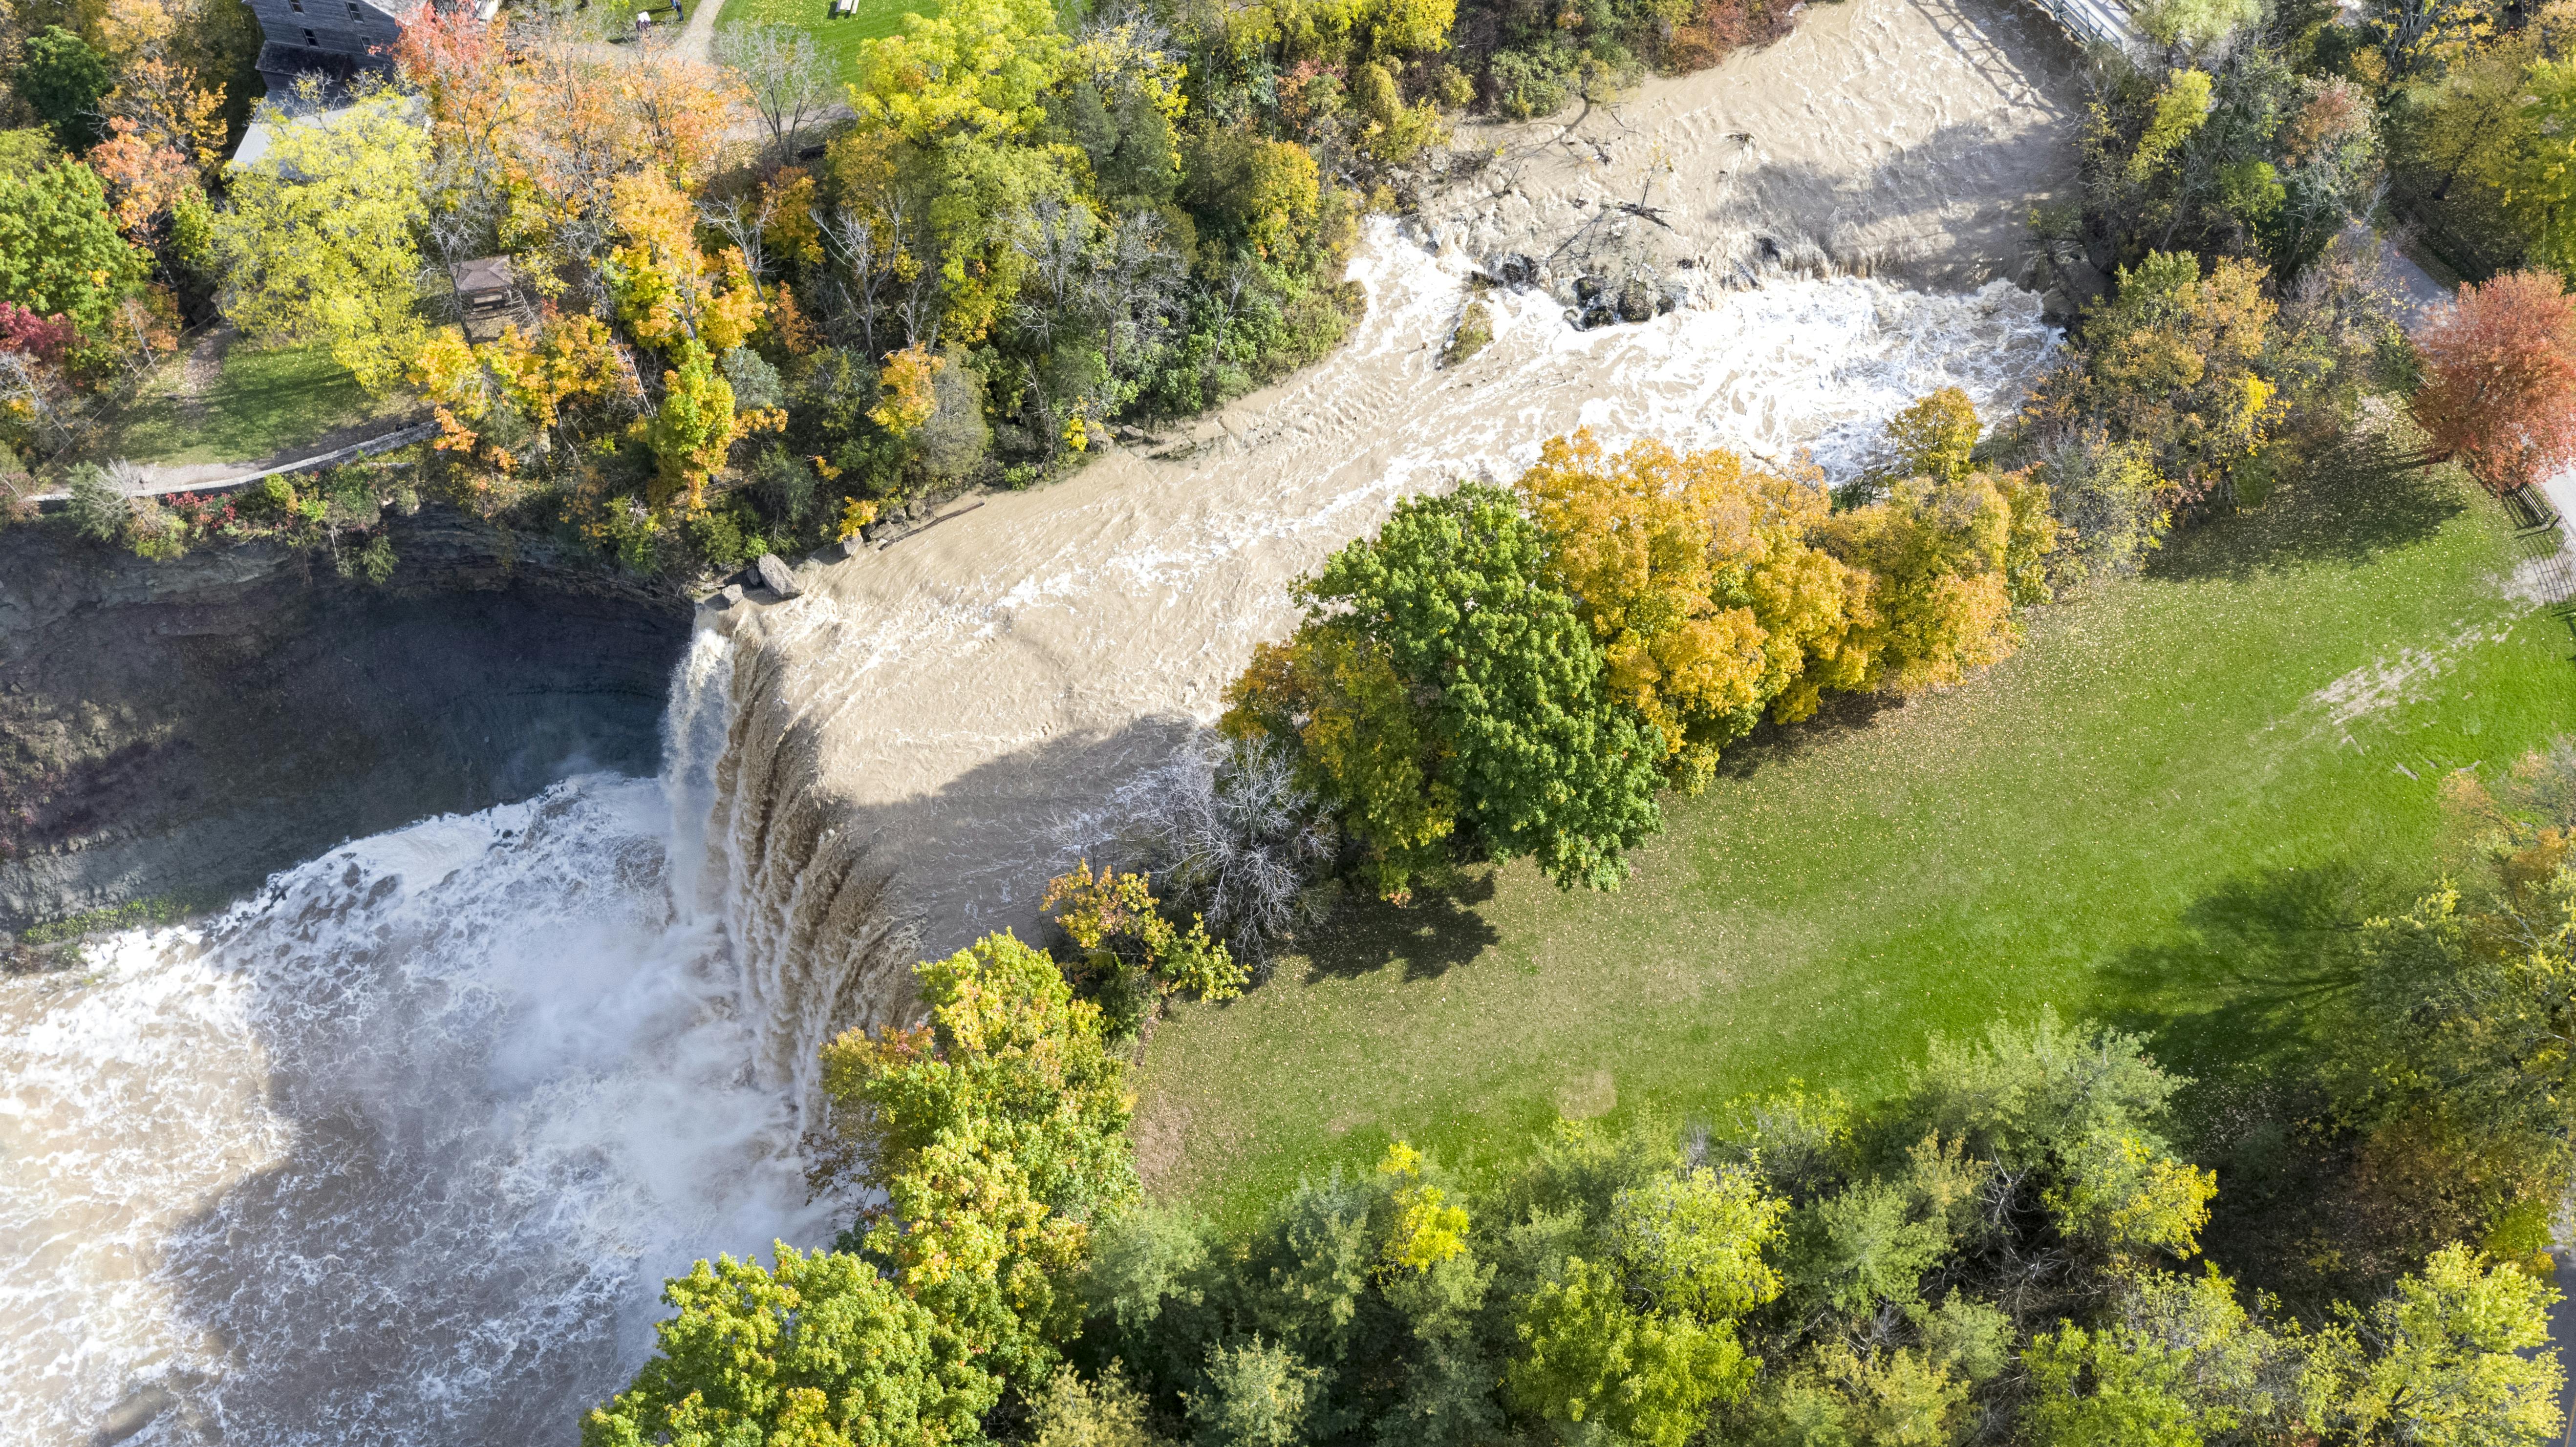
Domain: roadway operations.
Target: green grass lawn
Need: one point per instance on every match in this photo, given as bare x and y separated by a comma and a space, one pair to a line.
838, 37
262, 403
2129, 820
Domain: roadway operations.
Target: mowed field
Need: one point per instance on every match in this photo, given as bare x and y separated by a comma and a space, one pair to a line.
2174, 790
837, 36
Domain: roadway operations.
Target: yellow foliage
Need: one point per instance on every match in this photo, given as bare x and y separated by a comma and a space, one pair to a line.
908, 383
1944, 555
1285, 189
1695, 578
1934, 436
666, 289
2181, 107
979, 66
1427, 1230
1337, 693
2134, 1201
855, 515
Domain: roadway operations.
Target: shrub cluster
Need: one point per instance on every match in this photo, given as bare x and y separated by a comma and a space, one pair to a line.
2006, 1249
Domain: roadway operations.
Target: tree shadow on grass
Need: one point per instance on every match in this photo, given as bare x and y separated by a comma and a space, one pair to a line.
2240, 985
1837, 717
1438, 929
2365, 494
2243, 1001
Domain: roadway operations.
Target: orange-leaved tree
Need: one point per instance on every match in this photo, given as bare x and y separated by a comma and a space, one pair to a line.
2499, 392
1694, 574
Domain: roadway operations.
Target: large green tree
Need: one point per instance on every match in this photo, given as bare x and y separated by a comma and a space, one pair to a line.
63, 80
320, 242
60, 251
1483, 682
822, 1352
998, 1131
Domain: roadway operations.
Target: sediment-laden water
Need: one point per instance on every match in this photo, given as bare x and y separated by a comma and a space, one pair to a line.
401, 1150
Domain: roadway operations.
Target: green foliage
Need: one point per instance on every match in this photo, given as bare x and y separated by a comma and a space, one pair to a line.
693, 429
60, 250
2173, 363
2454, 1035
2114, 505
2537, 178
998, 1131
2447, 1358
1900, 1396
2182, 1362
27, 153
1474, 331
1131, 955
2025, 1095
1256, 1395
1590, 1358
1448, 604
63, 80
1264, 193
2181, 109
97, 507
1103, 1413
2196, 24
318, 244
1693, 1241
822, 1351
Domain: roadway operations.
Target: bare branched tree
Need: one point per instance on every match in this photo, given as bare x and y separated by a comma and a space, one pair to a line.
1228, 834
745, 225
1056, 238
1141, 279
887, 278
37, 392
787, 78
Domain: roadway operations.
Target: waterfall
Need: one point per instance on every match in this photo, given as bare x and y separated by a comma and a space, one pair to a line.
402, 1148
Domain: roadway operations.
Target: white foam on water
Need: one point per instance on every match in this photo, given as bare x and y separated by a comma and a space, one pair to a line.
400, 1151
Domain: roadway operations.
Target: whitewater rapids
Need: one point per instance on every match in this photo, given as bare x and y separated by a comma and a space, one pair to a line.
402, 1149
926, 734
399, 1151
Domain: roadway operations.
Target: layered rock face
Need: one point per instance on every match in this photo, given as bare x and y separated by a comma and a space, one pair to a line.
184, 729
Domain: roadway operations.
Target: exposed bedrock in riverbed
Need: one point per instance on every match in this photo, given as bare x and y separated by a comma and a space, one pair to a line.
931, 728
183, 729
1905, 139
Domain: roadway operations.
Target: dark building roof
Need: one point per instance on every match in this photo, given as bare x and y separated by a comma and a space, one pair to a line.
485, 278
279, 64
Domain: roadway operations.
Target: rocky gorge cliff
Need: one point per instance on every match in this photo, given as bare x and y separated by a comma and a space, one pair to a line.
182, 729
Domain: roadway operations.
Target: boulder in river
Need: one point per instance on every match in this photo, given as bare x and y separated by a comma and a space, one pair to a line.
776, 576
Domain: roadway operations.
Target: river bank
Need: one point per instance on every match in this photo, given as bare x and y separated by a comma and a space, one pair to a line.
186, 728
930, 731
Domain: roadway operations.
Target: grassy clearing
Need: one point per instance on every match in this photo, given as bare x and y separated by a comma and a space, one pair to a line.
261, 404
838, 37
2172, 780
